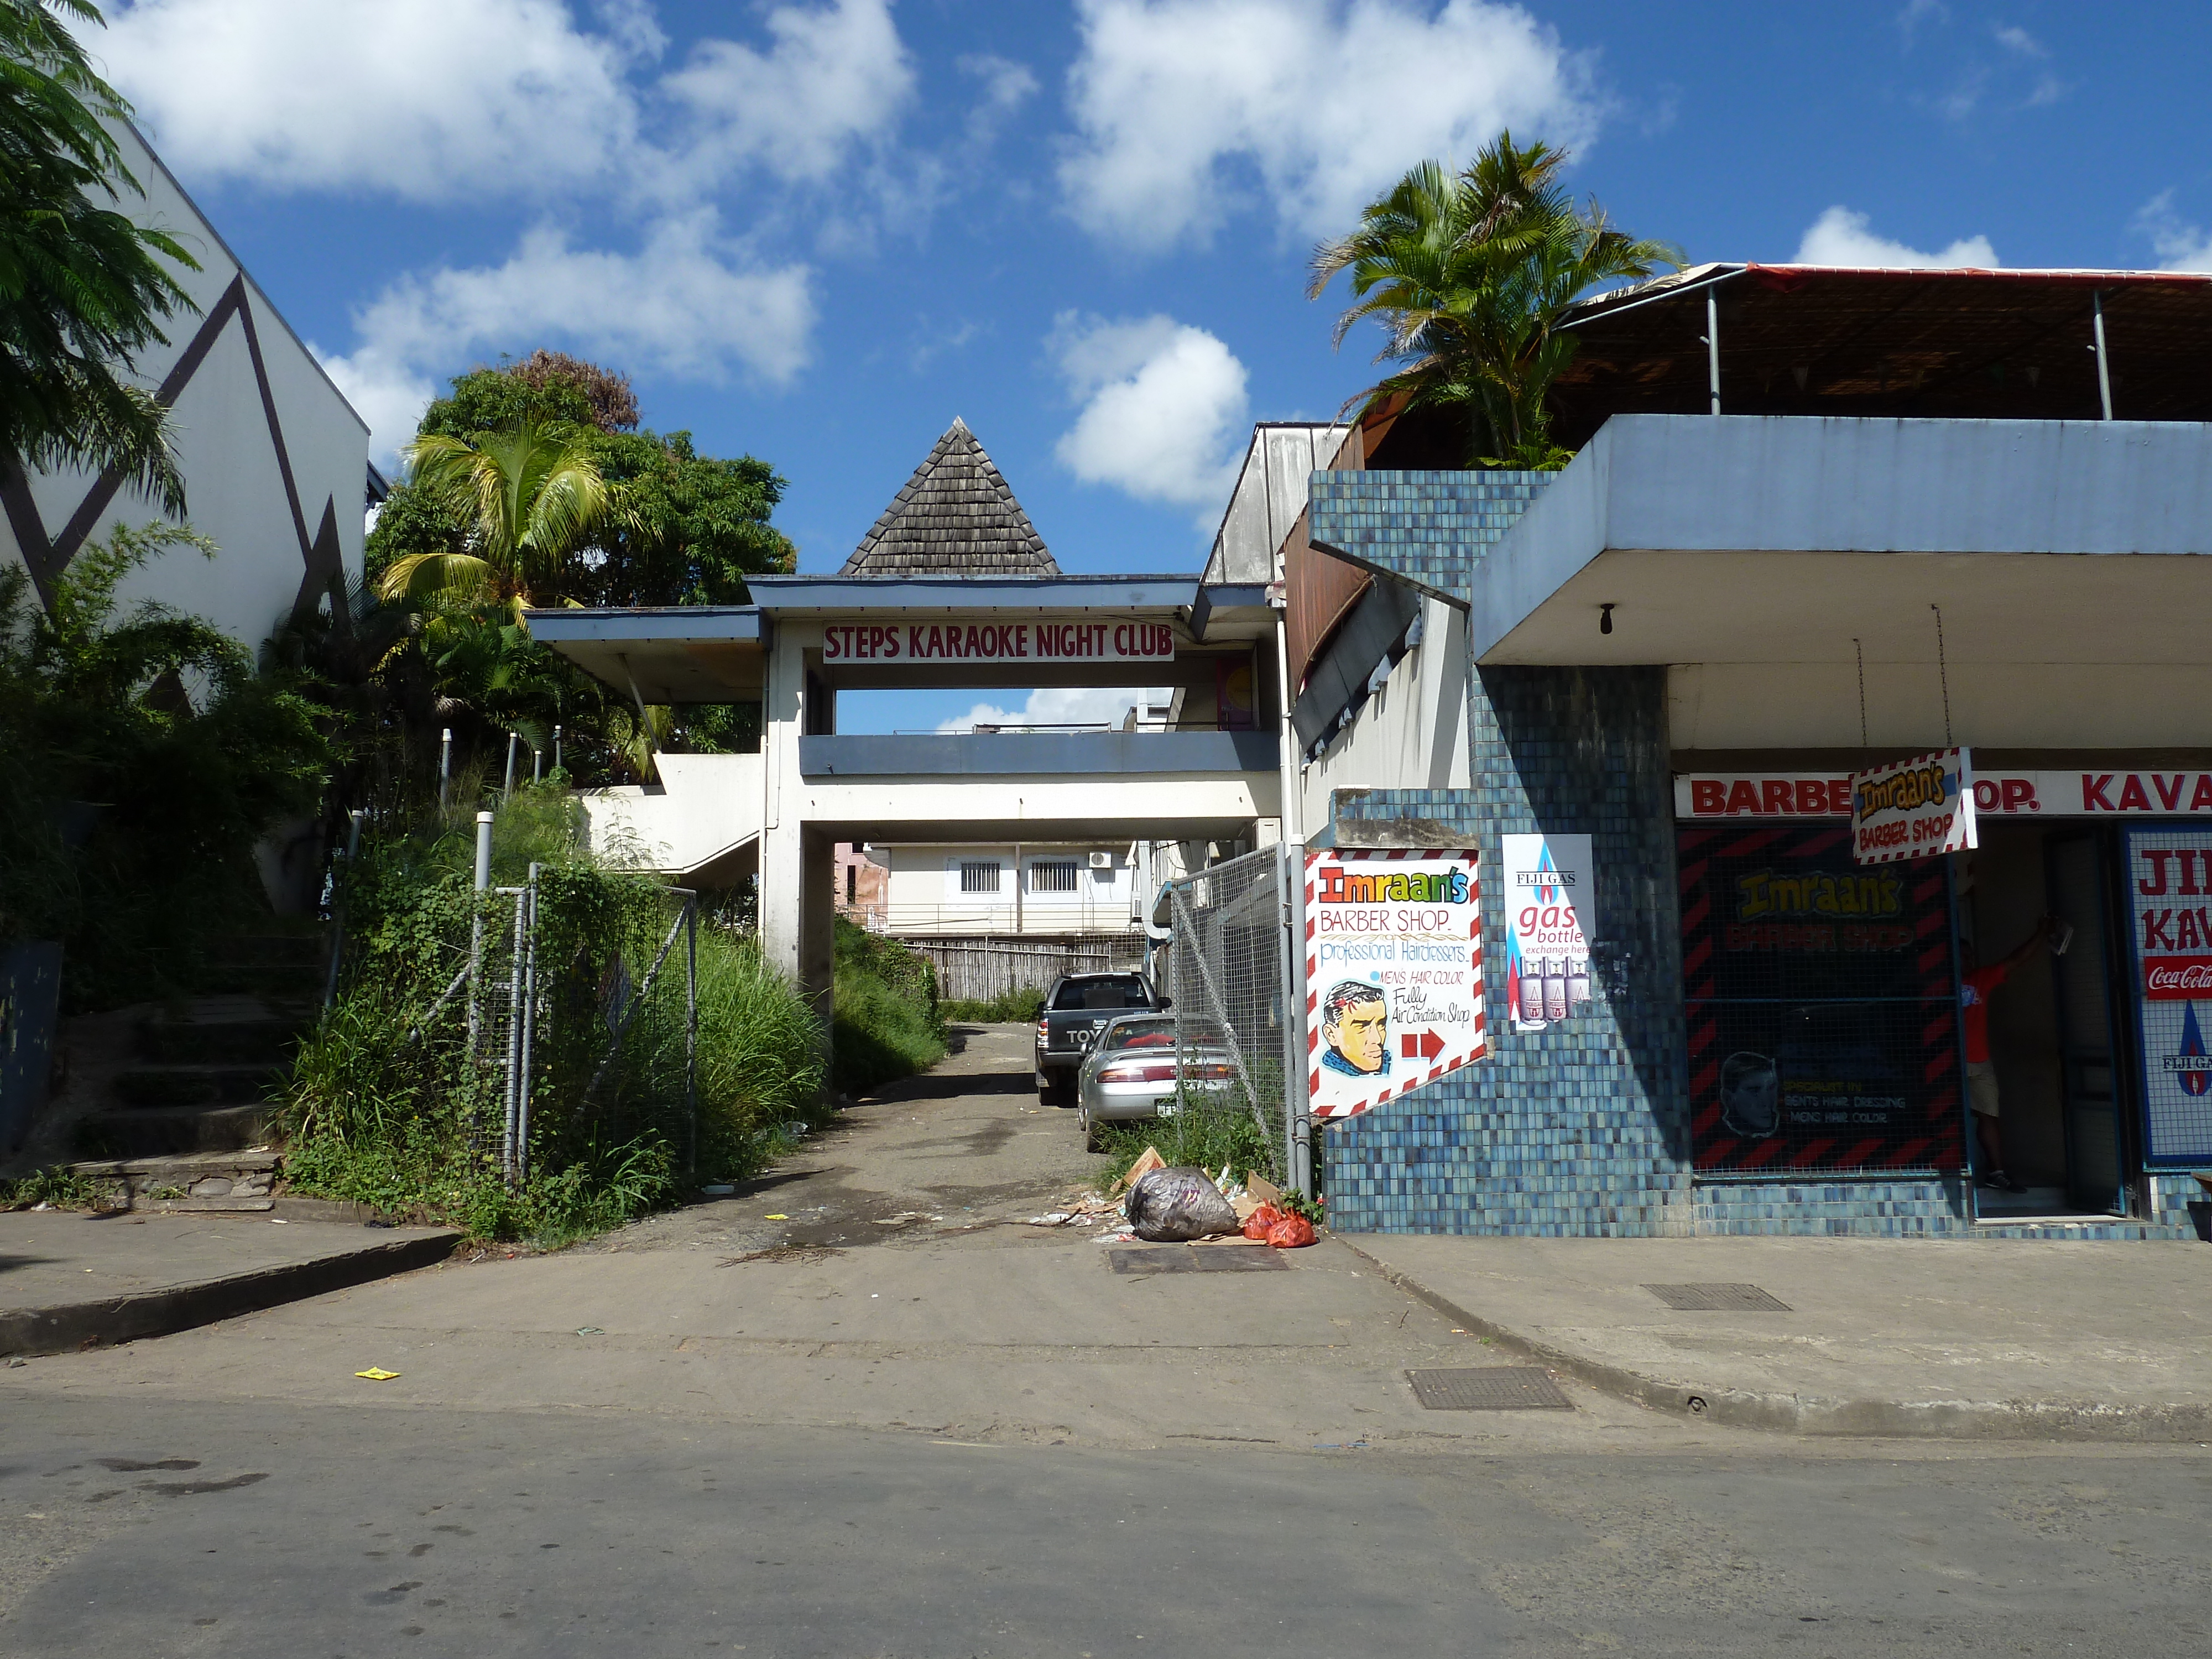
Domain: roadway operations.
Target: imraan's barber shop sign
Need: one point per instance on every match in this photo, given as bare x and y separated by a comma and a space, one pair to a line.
1039, 640
1394, 973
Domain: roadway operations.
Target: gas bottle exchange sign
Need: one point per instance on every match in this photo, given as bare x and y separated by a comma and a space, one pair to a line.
1394, 973
2170, 905
1913, 809
1548, 900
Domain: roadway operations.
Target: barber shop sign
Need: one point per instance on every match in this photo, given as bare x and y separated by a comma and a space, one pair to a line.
1394, 973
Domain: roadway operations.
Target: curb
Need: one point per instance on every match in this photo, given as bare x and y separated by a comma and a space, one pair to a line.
31, 1331
2068, 1420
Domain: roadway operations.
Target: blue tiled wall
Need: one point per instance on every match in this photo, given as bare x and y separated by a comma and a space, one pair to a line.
1583, 1128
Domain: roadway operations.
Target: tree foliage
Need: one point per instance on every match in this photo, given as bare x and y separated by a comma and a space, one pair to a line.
82, 290
530, 496
1470, 273
140, 758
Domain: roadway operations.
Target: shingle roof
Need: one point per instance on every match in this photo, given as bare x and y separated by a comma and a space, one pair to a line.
955, 517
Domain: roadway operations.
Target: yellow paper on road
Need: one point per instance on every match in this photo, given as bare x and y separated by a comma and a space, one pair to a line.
377, 1374
776, 1218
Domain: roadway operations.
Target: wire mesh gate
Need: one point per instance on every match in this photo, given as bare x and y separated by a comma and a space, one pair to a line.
626, 1012
1230, 971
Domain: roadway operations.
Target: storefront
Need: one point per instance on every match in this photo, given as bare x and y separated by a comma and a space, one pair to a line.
1822, 995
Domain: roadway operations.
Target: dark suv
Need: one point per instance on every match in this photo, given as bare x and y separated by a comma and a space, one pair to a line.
1078, 1004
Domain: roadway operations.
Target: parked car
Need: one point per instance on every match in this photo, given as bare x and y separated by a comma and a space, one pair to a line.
1132, 1073
1074, 1009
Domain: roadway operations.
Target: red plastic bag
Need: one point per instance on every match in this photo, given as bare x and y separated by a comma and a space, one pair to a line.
1292, 1232
1257, 1223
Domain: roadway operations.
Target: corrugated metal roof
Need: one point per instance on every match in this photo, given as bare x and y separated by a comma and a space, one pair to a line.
1826, 340
955, 516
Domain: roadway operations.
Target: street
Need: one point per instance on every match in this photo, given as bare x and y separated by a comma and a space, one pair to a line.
861, 1407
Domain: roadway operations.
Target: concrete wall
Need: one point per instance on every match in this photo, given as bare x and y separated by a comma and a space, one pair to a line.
925, 896
1582, 1128
1412, 732
250, 402
703, 810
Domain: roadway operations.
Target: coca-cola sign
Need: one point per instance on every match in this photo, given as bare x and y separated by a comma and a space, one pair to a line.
2178, 979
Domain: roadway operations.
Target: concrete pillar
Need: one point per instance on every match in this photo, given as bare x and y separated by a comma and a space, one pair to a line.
817, 918
783, 875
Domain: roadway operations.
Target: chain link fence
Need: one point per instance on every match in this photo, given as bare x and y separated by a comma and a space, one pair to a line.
1224, 969
595, 1015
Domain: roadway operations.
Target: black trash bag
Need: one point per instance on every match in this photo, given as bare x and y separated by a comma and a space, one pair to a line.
1173, 1207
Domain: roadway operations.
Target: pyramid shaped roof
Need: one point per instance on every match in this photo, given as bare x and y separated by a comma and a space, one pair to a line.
956, 517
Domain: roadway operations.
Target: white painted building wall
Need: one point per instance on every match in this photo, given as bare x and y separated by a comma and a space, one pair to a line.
234, 445
953, 889
1410, 733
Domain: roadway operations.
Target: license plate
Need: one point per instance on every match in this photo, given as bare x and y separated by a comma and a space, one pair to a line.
1167, 1107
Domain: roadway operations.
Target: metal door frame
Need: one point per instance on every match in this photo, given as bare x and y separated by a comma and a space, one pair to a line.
2099, 841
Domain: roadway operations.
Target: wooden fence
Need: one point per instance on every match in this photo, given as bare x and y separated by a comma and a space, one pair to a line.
973, 969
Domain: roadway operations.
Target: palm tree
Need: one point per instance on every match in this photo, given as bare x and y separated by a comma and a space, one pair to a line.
531, 498
82, 290
1469, 274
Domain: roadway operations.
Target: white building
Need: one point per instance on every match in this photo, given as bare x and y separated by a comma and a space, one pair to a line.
274, 460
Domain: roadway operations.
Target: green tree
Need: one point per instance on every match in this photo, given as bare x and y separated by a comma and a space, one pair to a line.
531, 497
82, 290
1469, 274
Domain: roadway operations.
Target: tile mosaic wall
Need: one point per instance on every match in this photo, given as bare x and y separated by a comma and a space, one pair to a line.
1580, 1129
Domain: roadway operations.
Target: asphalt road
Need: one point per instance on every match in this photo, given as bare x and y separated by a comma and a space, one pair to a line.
898, 1421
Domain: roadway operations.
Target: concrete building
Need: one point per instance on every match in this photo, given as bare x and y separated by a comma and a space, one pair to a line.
274, 460
1818, 521
952, 586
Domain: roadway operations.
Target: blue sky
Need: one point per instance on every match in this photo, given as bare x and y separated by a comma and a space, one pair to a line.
818, 230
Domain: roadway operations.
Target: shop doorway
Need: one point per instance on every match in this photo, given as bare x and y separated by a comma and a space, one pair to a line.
2053, 1030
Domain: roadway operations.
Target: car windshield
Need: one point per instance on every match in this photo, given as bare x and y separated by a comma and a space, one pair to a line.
1138, 1033
1121, 991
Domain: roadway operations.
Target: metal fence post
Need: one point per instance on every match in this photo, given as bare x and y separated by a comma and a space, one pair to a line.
514, 1037
529, 1033
338, 909
691, 1028
1296, 1103
445, 764
476, 925
513, 741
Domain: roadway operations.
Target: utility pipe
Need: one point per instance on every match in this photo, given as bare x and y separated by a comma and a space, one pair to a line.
1713, 348
2104, 368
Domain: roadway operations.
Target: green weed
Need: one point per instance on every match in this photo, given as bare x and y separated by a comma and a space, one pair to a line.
1024, 1005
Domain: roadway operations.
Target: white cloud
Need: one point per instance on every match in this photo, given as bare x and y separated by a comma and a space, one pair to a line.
439, 100
1006, 86
2180, 245
1840, 237
2015, 40
688, 304
1327, 101
1163, 408
1066, 705
428, 99
836, 76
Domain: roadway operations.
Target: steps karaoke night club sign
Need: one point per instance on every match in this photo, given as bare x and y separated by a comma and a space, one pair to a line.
1394, 973
1039, 639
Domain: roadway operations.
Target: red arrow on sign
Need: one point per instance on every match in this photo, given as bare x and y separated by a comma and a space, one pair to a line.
1431, 1045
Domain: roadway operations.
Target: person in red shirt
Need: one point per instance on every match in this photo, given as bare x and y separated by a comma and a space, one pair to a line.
1976, 984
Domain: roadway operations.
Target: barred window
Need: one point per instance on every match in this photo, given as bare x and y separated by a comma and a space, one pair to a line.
978, 877
1054, 876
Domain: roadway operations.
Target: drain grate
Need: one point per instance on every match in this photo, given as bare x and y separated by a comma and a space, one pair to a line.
1213, 1259
1489, 1388
1718, 1298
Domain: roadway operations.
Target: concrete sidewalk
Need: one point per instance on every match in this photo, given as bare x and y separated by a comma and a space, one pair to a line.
70, 1280
1996, 1339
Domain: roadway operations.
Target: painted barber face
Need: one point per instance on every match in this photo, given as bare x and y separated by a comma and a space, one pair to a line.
1361, 1034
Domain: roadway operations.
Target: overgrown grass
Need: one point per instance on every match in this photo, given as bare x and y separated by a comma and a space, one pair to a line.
887, 1023
1211, 1127
57, 1187
1025, 1004
385, 1108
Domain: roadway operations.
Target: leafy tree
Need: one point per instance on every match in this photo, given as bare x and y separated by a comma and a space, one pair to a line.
530, 497
82, 290
1469, 274
95, 709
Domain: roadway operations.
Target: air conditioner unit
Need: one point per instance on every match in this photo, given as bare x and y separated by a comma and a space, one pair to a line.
1101, 860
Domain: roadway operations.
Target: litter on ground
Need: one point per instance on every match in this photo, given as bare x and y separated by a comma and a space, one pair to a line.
377, 1374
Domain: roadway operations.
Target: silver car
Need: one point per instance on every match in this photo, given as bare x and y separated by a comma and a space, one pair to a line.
1130, 1073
